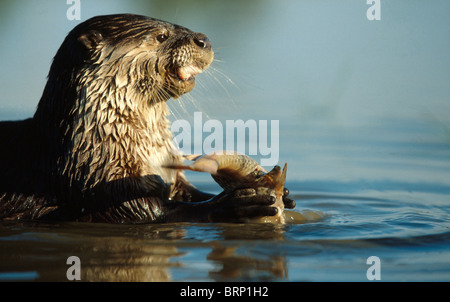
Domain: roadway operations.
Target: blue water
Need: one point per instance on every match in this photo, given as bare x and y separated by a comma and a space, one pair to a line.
408, 231
363, 108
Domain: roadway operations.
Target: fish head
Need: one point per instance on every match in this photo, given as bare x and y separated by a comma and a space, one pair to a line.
275, 178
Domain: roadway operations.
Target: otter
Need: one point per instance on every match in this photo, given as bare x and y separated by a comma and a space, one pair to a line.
96, 147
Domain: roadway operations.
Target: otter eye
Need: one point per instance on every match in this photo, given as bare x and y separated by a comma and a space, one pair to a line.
161, 38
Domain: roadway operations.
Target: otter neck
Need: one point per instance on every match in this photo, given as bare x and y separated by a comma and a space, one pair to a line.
109, 126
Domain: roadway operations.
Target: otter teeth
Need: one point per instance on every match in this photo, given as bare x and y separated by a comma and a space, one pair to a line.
187, 72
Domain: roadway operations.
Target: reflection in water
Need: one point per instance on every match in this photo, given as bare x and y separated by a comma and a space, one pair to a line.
38, 251
411, 239
107, 253
134, 252
239, 267
114, 261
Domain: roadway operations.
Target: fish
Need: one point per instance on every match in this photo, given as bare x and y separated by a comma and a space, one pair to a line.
234, 170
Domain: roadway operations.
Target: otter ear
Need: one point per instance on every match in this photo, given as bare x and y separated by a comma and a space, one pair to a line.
90, 39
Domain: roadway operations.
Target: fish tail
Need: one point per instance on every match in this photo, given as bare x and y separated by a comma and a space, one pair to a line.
279, 187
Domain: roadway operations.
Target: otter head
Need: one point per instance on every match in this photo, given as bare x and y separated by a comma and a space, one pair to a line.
153, 59
149, 53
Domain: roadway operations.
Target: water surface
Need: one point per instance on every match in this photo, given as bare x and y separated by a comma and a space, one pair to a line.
408, 231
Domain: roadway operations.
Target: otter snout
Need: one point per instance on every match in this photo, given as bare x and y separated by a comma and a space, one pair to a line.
191, 55
202, 41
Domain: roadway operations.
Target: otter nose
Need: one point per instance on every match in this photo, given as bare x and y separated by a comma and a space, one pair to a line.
202, 41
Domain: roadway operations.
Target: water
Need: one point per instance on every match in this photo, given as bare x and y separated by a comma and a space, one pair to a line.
363, 110
411, 239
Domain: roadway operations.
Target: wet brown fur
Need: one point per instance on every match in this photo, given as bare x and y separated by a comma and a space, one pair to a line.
94, 148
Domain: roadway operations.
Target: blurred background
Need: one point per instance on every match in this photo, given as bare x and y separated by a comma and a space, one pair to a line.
357, 100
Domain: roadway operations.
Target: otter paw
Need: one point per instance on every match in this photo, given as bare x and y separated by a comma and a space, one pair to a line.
288, 202
260, 196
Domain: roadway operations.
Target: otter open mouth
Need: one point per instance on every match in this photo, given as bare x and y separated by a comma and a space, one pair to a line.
182, 79
188, 72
